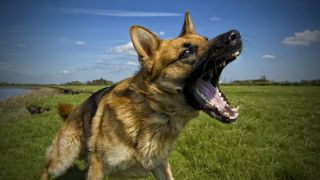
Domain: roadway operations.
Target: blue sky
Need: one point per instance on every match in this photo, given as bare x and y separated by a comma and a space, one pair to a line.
58, 41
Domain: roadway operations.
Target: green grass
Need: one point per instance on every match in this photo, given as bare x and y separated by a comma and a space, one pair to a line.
82, 88
277, 136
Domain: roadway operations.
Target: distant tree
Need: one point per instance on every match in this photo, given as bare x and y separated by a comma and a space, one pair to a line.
73, 83
263, 78
100, 81
4, 84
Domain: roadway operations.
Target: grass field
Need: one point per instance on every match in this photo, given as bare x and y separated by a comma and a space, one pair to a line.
277, 136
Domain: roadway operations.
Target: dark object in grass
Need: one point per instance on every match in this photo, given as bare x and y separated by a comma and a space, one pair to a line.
33, 109
66, 91
69, 91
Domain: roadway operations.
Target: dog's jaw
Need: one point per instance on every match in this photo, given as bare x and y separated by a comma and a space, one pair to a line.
202, 86
213, 102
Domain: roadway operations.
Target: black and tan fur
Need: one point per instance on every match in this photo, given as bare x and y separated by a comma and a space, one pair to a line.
129, 129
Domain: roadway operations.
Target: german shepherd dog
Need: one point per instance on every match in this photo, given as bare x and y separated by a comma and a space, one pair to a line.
129, 129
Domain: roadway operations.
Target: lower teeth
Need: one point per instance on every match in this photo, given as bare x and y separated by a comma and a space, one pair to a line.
226, 114
236, 109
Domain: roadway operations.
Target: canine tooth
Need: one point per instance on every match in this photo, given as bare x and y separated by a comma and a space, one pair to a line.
226, 114
234, 116
236, 54
236, 109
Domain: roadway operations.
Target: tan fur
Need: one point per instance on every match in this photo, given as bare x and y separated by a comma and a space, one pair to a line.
137, 123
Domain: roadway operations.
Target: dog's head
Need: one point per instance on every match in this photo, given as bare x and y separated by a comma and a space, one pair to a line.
187, 68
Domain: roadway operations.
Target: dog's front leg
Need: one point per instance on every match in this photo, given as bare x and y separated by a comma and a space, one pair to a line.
95, 171
163, 171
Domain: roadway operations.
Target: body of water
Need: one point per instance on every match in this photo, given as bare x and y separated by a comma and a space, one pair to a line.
10, 92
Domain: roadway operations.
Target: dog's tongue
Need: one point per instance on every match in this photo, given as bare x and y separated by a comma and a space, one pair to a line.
212, 97
209, 93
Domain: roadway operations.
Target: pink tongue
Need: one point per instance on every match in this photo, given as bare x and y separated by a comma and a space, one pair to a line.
211, 95
218, 101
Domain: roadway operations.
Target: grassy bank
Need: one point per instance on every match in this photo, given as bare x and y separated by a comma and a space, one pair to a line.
276, 137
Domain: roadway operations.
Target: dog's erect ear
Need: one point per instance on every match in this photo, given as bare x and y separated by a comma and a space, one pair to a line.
145, 42
188, 27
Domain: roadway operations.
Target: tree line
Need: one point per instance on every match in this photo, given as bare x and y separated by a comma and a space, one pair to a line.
100, 82
266, 82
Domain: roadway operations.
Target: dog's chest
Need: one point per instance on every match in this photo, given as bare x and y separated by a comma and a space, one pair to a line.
153, 147
156, 142
121, 162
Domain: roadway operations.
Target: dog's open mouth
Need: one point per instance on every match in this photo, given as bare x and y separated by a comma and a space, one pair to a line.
207, 93
203, 87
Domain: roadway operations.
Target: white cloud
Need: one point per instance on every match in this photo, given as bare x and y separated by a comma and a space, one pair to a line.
117, 13
303, 38
161, 33
215, 18
118, 61
268, 56
4, 66
65, 72
125, 49
132, 63
80, 43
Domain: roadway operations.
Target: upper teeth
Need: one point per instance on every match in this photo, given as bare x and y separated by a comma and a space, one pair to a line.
219, 93
237, 53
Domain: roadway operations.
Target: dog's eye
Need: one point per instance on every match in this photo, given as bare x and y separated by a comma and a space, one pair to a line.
186, 53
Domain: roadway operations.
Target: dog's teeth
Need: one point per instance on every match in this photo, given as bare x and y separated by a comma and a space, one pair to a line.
218, 92
235, 116
236, 54
226, 114
236, 109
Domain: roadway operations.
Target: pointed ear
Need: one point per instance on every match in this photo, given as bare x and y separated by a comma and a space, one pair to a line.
145, 42
188, 27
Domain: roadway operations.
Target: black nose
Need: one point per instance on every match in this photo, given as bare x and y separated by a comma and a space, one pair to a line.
231, 36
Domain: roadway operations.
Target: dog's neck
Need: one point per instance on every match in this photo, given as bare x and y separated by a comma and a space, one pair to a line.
161, 101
